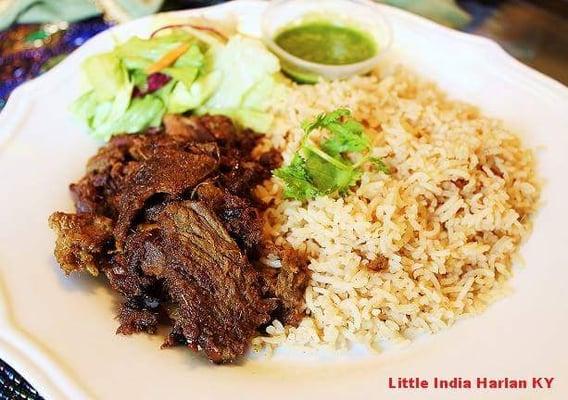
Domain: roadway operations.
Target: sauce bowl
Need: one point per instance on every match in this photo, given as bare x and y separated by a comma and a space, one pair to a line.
362, 15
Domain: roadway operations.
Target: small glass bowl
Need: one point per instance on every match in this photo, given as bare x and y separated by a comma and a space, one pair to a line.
360, 14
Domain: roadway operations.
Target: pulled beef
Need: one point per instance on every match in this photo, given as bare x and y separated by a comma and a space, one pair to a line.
244, 176
169, 217
137, 319
224, 132
97, 192
166, 171
287, 285
270, 160
83, 240
239, 216
123, 275
186, 129
215, 290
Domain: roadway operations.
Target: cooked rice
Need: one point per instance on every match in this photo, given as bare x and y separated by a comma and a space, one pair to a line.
450, 251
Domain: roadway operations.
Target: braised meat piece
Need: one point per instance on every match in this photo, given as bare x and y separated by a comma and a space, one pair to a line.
222, 129
243, 177
291, 284
208, 128
214, 287
271, 160
187, 129
97, 192
135, 320
169, 217
288, 284
88, 198
246, 142
167, 171
83, 240
123, 274
241, 219
108, 171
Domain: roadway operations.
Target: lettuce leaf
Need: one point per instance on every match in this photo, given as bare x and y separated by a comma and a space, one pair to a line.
235, 79
245, 87
184, 98
85, 107
138, 53
243, 63
143, 112
187, 67
105, 74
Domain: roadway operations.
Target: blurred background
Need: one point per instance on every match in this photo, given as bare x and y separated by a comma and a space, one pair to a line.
37, 34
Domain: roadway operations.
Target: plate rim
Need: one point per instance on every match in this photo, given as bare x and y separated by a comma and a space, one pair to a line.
26, 353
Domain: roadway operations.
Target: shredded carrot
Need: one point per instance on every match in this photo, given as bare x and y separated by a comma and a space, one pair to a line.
168, 59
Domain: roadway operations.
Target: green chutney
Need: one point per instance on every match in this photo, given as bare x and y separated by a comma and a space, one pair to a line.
326, 43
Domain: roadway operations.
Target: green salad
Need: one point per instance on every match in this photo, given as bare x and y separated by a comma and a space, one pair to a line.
132, 87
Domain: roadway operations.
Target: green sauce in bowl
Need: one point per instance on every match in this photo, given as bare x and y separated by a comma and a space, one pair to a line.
325, 39
326, 43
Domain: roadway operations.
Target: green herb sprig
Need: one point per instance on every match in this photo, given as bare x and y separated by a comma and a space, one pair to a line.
319, 170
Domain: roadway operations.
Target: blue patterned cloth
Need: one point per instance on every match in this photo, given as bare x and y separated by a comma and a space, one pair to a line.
28, 50
13, 386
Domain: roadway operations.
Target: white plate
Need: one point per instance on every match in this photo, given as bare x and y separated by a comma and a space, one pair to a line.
58, 331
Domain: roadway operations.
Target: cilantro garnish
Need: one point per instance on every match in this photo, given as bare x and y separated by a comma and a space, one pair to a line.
318, 170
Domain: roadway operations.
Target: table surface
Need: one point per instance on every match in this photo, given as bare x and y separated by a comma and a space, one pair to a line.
534, 32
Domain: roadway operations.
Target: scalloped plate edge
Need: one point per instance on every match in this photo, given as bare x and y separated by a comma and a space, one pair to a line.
24, 352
